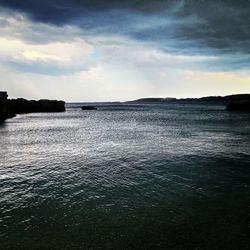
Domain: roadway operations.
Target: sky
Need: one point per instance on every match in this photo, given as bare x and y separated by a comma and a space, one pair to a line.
97, 50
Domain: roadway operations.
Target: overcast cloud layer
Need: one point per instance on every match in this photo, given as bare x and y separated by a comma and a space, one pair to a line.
119, 50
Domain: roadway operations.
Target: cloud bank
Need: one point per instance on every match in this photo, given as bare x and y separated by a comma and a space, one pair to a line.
130, 45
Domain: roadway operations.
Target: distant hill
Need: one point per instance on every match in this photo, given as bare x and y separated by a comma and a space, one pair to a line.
149, 100
223, 99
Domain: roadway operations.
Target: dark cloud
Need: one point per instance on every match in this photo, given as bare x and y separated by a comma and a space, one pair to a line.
55, 12
225, 26
61, 11
177, 26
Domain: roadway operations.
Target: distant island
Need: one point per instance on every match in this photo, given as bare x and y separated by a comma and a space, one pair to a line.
223, 99
240, 102
10, 107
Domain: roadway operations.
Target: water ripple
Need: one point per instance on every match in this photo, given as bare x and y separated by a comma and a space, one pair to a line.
126, 177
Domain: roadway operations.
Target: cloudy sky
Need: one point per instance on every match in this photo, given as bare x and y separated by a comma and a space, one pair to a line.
97, 50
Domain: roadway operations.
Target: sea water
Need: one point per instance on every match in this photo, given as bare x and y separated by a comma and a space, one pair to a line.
126, 176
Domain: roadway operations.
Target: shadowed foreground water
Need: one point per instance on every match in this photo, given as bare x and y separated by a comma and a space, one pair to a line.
126, 177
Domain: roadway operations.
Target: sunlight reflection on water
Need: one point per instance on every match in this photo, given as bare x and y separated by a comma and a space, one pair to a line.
126, 176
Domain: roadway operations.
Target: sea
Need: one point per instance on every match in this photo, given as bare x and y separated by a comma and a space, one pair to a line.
126, 176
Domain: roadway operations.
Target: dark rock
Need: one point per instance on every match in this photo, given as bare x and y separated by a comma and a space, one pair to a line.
88, 108
241, 105
9, 108
21, 106
3, 96
5, 111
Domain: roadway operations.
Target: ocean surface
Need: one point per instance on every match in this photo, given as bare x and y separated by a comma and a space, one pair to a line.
168, 176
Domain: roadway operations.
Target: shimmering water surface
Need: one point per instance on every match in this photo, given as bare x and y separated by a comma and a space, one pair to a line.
170, 176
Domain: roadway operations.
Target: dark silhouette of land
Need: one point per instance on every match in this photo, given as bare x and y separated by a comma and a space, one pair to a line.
5, 111
242, 105
10, 107
221, 99
88, 108
240, 102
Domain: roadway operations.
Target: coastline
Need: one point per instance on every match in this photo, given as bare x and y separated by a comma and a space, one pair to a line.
10, 107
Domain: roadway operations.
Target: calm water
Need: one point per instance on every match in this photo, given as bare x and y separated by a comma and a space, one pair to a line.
126, 177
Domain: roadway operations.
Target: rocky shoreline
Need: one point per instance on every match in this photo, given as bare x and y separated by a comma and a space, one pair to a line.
10, 107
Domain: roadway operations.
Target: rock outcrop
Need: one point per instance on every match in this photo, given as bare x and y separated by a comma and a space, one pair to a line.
22, 106
5, 110
9, 108
88, 108
242, 105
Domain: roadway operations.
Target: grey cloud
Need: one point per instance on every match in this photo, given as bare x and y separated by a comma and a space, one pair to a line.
199, 27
